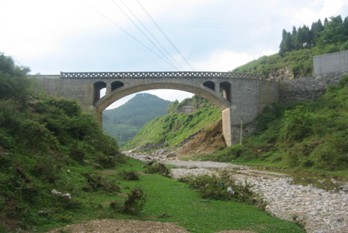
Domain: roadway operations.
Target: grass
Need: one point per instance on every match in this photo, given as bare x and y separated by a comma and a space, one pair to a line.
172, 129
310, 137
168, 200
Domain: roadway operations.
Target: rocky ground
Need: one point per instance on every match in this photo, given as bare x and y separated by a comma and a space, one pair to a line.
317, 210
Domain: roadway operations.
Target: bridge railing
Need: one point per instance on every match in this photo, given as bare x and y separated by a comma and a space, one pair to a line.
179, 74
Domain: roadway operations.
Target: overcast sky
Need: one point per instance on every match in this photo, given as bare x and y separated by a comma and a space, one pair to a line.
50, 36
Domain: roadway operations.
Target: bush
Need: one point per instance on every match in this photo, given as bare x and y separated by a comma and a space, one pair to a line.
216, 187
105, 161
269, 114
155, 167
135, 202
129, 175
297, 124
13, 80
99, 183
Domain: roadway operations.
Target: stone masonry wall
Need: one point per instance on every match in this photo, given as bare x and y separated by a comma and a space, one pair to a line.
331, 63
303, 89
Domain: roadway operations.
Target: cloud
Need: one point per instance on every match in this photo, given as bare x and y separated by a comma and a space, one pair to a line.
226, 60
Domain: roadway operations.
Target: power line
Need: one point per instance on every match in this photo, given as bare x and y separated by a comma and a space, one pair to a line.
146, 36
164, 34
129, 34
153, 36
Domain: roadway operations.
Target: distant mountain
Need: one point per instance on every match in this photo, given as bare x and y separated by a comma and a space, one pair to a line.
124, 122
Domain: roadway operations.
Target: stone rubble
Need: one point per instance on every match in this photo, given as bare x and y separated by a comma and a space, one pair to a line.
317, 210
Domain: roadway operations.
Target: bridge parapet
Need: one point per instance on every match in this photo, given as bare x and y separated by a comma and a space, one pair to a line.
181, 74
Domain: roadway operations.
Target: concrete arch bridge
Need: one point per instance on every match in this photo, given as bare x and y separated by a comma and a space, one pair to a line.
240, 97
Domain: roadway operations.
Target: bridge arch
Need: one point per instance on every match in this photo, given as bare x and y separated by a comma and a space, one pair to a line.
121, 92
204, 92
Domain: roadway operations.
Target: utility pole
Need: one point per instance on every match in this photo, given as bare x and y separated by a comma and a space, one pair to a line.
241, 132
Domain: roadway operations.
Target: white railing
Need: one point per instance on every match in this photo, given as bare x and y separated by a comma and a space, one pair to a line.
180, 74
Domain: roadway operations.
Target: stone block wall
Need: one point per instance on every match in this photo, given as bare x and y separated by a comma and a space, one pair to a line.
331, 63
299, 90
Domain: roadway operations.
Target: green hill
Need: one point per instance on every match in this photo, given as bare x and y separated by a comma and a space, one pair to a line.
298, 47
124, 122
312, 136
176, 127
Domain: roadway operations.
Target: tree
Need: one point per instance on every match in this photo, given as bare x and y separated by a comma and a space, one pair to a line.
316, 29
286, 43
333, 32
13, 80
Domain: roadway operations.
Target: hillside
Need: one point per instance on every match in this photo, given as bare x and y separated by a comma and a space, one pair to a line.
177, 128
298, 47
311, 136
124, 122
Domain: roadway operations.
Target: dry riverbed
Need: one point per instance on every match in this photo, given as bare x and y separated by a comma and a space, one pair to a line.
317, 210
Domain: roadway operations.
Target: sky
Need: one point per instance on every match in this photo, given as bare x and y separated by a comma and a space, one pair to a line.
50, 36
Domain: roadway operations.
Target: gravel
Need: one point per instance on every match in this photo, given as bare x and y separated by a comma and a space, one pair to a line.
317, 210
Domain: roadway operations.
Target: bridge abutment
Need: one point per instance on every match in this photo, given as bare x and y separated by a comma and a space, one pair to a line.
226, 117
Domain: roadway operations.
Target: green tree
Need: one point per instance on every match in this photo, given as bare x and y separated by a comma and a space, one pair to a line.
316, 29
13, 80
286, 43
334, 31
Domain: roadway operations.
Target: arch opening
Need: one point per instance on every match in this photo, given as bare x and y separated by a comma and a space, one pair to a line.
206, 93
210, 85
115, 85
225, 88
99, 91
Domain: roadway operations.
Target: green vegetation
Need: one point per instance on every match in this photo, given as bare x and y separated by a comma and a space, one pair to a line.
312, 136
124, 122
215, 187
174, 128
333, 32
298, 48
58, 168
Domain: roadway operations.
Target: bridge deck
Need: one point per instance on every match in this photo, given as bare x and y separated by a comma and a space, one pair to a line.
181, 74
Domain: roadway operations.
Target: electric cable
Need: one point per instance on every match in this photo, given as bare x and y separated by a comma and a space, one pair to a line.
130, 35
153, 36
164, 34
145, 35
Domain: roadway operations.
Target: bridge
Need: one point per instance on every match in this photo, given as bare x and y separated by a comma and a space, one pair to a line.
241, 97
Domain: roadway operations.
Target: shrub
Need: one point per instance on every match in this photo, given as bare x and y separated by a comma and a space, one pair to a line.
269, 114
129, 175
13, 80
135, 201
155, 167
215, 187
105, 161
99, 183
297, 124
70, 108
47, 170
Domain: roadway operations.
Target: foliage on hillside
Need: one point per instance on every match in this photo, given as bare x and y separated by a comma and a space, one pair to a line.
42, 143
334, 31
311, 136
52, 160
124, 122
174, 128
296, 51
